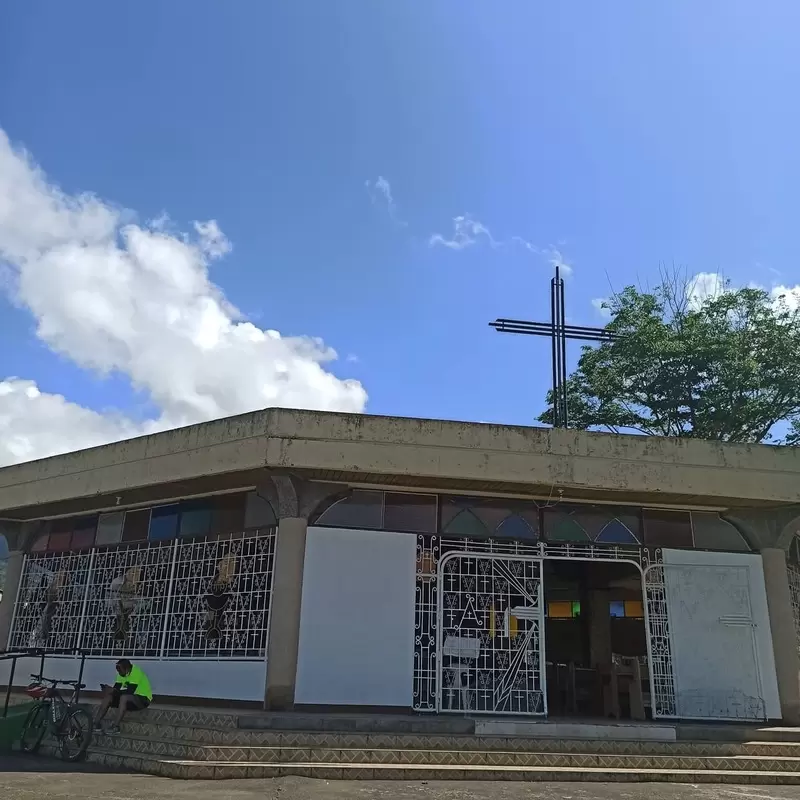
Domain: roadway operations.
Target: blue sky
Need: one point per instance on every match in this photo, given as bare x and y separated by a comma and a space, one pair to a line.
613, 137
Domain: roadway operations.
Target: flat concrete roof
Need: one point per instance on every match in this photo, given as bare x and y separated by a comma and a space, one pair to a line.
237, 452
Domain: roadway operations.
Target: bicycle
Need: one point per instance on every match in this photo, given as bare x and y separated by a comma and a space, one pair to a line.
69, 723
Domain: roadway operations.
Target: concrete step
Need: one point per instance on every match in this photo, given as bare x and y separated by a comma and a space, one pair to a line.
174, 750
219, 770
710, 732
334, 740
363, 723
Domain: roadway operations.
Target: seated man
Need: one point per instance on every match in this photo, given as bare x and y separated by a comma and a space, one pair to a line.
131, 692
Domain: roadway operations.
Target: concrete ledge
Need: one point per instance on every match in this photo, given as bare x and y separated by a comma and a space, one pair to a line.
575, 730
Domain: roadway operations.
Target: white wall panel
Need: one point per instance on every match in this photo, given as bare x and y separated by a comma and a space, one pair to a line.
223, 680
723, 666
357, 619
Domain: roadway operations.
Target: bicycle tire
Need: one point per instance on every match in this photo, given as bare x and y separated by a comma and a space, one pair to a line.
34, 728
75, 727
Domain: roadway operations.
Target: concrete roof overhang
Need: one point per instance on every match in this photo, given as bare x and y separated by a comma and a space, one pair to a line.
401, 453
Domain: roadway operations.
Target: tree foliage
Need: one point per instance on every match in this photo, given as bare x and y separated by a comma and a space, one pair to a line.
724, 367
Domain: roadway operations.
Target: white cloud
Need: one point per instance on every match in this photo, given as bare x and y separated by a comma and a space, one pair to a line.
381, 188
466, 232
790, 295
704, 286
598, 302
556, 259
116, 296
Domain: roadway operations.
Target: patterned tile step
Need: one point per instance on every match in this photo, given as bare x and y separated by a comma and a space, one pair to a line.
186, 717
221, 770
240, 738
151, 747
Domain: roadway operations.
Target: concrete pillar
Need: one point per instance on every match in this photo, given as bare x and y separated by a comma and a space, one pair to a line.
784, 635
284, 628
599, 627
13, 577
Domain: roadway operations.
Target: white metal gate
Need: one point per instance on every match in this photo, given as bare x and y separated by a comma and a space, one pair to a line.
490, 636
703, 653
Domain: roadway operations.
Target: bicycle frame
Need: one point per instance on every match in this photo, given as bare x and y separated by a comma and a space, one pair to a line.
56, 702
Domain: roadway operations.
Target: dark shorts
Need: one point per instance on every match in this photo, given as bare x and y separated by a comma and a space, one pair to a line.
135, 702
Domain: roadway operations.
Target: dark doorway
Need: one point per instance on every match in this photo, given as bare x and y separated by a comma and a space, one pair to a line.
595, 639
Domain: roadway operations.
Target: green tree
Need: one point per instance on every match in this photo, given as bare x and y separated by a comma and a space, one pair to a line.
724, 367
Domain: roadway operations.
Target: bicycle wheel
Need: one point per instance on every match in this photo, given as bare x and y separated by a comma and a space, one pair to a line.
34, 729
75, 734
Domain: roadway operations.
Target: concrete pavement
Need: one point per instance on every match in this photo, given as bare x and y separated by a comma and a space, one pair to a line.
24, 778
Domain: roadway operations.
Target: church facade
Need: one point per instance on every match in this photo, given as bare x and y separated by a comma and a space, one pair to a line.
298, 559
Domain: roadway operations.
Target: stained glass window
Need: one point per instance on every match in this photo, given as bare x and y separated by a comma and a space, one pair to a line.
415, 513
137, 524
109, 528
664, 528
195, 518
634, 609
564, 609
228, 512
793, 556
482, 517
360, 509
592, 523
258, 512
711, 532
164, 523
617, 608
83, 534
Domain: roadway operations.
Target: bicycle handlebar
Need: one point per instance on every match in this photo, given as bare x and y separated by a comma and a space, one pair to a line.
56, 682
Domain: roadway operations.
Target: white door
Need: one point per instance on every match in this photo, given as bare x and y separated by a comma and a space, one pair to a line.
711, 645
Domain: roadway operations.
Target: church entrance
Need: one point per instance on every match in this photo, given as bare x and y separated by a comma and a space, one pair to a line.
536, 636
596, 640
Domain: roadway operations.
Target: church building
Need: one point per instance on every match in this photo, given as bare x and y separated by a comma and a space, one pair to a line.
294, 559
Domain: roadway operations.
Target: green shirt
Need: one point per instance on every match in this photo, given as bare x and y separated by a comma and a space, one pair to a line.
137, 678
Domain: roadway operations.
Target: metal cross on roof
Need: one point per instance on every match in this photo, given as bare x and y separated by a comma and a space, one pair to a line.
558, 331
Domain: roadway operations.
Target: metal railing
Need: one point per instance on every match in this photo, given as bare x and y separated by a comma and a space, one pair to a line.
14, 655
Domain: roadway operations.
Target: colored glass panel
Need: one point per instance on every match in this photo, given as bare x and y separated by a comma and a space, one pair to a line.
617, 608
415, 513
560, 609
163, 523
616, 533
563, 528
227, 513
711, 532
360, 509
195, 518
667, 528
466, 524
634, 609
137, 524
59, 541
258, 512
515, 527
109, 528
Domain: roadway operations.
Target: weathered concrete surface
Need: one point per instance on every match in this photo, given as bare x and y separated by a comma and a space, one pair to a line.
415, 452
38, 779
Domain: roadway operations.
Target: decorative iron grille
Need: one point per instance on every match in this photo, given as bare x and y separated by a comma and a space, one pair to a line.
51, 601
491, 638
127, 600
220, 598
662, 677
186, 598
793, 574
